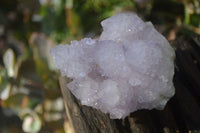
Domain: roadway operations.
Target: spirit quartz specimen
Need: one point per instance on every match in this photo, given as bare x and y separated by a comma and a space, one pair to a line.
130, 67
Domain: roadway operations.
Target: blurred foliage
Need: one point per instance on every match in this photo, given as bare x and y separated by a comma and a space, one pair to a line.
76, 18
29, 88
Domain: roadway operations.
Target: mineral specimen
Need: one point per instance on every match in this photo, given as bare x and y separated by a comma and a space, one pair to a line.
130, 67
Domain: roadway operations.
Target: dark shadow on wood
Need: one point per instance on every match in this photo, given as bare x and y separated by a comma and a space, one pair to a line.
182, 113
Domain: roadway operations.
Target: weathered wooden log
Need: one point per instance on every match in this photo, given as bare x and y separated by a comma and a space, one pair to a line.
182, 113
85, 119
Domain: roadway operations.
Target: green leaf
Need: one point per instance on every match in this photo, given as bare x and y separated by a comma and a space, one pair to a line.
32, 123
14, 102
8, 60
21, 101
6, 92
3, 79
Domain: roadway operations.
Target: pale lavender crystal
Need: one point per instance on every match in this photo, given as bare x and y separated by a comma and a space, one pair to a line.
130, 67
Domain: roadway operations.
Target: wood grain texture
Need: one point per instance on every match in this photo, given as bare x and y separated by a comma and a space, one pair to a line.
182, 113
86, 119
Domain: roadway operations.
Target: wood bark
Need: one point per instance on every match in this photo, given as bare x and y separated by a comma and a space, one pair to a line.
182, 113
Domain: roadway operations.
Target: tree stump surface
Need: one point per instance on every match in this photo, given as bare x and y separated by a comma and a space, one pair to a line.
181, 114
85, 119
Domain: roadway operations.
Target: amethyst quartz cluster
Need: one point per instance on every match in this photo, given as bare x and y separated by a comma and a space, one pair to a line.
130, 67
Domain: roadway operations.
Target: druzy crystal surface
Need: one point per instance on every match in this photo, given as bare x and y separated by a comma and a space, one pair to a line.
130, 67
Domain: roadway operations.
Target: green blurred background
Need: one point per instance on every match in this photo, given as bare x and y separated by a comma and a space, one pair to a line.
30, 97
